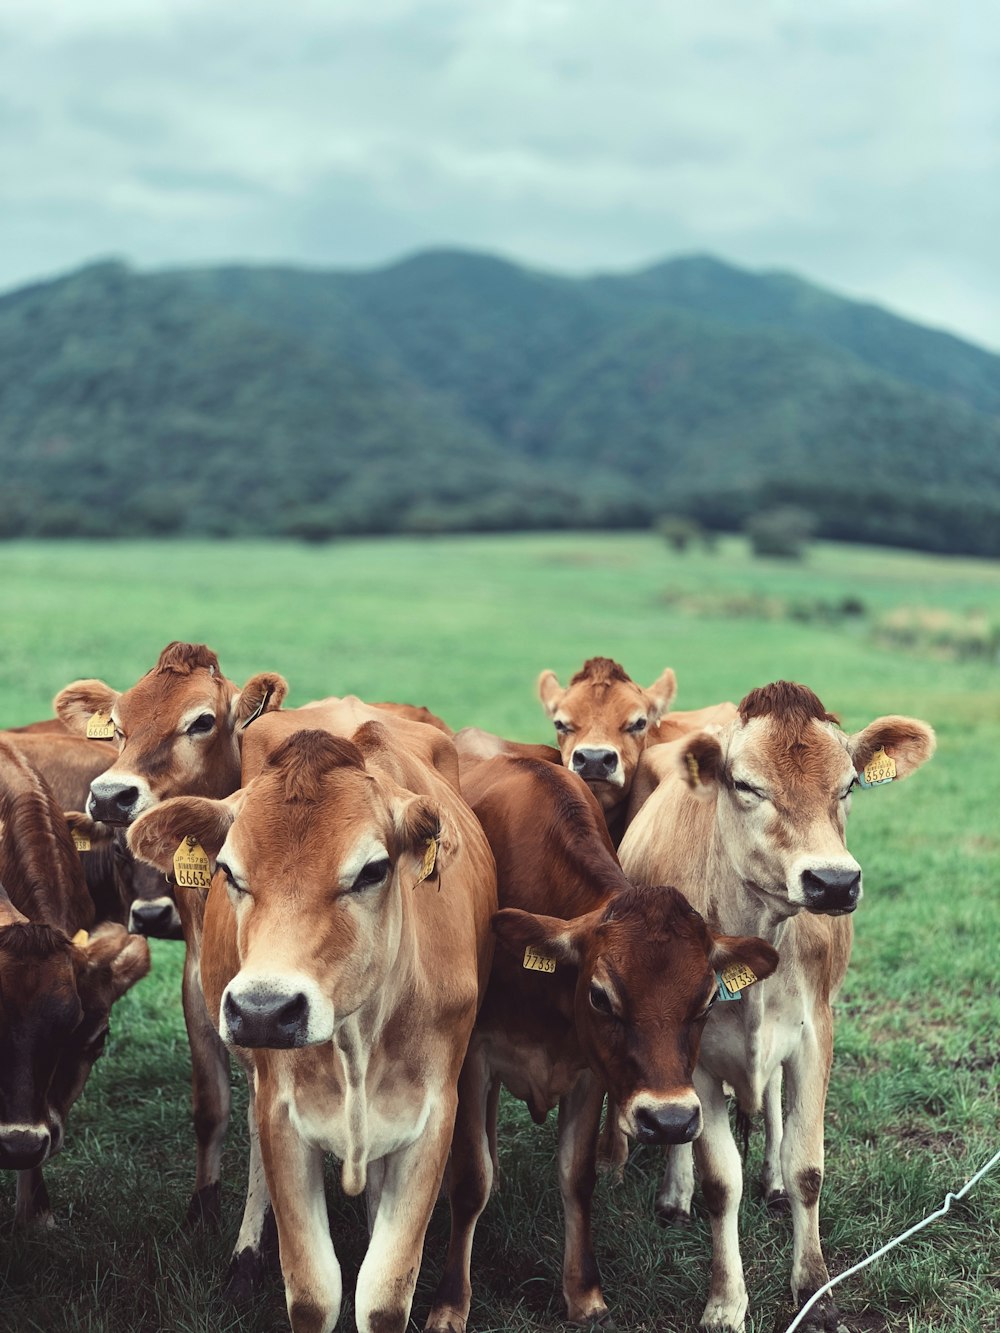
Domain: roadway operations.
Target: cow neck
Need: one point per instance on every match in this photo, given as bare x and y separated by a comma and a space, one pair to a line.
738, 908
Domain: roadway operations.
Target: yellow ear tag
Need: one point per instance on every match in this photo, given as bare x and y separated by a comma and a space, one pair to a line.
80, 939
537, 962
191, 865
80, 841
881, 767
693, 770
100, 727
428, 863
738, 976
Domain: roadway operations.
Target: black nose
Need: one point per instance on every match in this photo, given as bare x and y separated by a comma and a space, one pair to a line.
112, 805
21, 1149
594, 765
831, 891
153, 919
667, 1124
279, 1021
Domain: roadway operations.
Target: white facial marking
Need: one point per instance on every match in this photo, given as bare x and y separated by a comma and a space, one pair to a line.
104, 788
193, 714
368, 849
260, 988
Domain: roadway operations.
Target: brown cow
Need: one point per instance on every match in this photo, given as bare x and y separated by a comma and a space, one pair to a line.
620, 983
751, 826
57, 983
604, 721
346, 948
474, 745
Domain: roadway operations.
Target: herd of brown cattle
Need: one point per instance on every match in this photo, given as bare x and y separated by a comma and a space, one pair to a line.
384, 921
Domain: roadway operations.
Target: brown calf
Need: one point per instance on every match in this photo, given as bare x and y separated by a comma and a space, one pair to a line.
751, 825
597, 986
346, 948
604, 721
57, 983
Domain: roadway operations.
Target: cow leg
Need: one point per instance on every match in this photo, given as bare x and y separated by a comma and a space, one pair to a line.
412, 1177
492, 1115
210, 1095
257, 1243
721, 1172
31, 1207
808, 1073
309, 1265
471, 1179
673, 1203
612, 1152
771, 1181
579, 1123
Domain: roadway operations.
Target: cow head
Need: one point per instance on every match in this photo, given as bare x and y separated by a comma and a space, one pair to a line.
152, 910
601, 720
782, 776
177, 730
55, 1001
646, 967
315, 855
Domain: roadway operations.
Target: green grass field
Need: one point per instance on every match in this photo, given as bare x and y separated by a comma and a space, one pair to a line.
464, 625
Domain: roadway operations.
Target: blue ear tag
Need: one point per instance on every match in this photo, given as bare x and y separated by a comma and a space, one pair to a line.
724, 993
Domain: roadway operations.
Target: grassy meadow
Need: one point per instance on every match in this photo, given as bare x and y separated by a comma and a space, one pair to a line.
464, 625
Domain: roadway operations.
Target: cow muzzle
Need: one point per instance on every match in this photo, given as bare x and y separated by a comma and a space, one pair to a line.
651, 1120
24, 1146
831, 891
594, 765
156, 918
113, 802
281, 1014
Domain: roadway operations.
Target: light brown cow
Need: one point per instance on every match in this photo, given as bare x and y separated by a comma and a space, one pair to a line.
346, 949
57, 982
474, 745
604, 721
751, 826
597, 986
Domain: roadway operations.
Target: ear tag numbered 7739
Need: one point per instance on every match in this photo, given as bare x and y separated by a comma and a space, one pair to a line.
100, 727
733, 981
537, 962
881, 767
192, 869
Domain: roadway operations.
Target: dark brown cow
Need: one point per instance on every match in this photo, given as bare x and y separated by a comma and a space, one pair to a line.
346, 947
57, 983
751, 825
598, 986
604, 721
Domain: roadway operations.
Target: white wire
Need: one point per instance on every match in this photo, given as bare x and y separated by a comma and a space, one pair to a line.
890, 1245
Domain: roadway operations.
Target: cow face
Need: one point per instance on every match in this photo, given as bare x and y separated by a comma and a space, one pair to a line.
152, 910
646, 980
314, 855
55, 1001
601, 721
176, 730
782, 775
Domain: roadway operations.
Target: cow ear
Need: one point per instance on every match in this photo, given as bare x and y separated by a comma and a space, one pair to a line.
426, 844
93, 830
76, 704
547, 937
156, 835
746, 951
662, 693
262, 693
906, 740
124, 957
699, 758
549, 691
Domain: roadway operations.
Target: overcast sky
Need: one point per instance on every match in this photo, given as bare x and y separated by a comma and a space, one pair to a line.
856, 142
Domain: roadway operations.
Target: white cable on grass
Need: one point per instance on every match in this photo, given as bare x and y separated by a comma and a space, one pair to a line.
891, 1245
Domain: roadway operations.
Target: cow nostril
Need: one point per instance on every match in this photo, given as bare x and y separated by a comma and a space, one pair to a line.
126, 798
292, 1014
831, 890
667, 1124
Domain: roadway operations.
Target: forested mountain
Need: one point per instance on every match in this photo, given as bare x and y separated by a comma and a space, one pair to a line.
455, 390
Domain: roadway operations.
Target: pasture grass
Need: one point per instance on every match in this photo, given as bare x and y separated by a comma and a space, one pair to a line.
464, 625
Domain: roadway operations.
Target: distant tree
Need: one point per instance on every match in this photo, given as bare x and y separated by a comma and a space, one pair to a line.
678, 532
784, 531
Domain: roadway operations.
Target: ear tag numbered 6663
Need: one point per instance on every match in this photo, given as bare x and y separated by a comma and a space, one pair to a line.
192, 869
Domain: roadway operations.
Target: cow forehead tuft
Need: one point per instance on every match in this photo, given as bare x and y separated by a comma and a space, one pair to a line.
656, 911
600, 671
786, 701
307, 756
181, 659
33, 940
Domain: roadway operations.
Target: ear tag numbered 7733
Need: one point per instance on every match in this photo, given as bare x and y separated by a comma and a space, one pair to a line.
100, 727
881, 767
733, 981
537, 962
192, 869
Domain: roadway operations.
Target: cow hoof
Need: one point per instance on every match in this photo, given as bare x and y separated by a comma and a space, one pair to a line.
595, 1322
444, 1321
669, 1216
204, 1210
824, 1317
778, 1202
246, 1274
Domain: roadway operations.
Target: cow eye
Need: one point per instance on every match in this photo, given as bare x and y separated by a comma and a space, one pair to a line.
600, 1000
371, 874
746, 790
563, 728
847, 790
202, 724
638, 726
